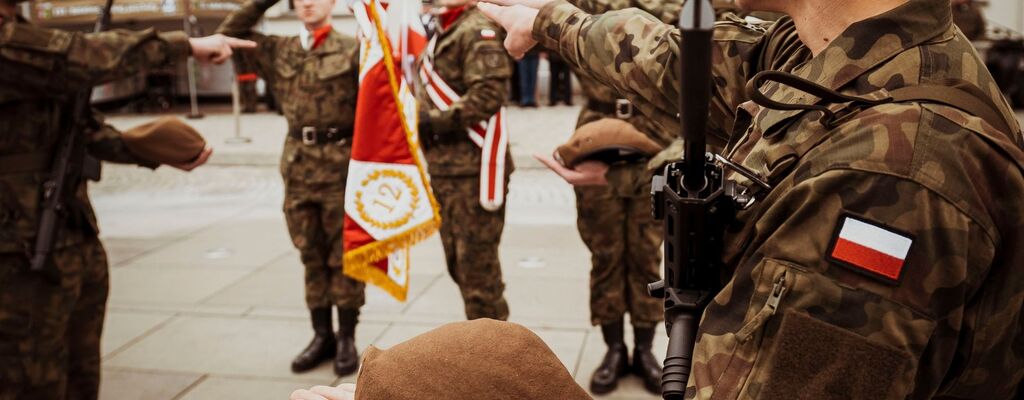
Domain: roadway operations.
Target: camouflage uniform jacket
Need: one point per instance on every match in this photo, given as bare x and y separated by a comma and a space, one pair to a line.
791, 322
470, 57
666, 11
43, 69
315, 88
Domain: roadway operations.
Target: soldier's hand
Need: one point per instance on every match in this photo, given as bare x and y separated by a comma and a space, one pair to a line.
345, 391
217, 48
587, 173
201, 159
517, 21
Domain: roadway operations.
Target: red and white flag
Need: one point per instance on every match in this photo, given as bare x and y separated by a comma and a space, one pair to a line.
871, 248
490, 135
389, 205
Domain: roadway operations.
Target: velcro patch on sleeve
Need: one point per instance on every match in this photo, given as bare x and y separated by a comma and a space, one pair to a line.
870, 248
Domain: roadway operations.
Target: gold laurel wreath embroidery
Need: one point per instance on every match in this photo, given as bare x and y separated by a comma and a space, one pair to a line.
414, 196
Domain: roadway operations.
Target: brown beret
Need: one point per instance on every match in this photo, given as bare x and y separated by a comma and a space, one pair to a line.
479, 359
166, 140
606, 140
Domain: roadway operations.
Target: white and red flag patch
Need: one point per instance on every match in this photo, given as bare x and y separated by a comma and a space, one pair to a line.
870, 247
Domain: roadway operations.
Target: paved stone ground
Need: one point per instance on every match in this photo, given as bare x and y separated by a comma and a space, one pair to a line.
206, 289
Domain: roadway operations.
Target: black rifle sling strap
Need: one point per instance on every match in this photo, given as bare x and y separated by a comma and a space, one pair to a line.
955, 93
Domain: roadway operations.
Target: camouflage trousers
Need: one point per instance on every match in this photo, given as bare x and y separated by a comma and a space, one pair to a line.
50, 330
470, 235
625, 247
315, 215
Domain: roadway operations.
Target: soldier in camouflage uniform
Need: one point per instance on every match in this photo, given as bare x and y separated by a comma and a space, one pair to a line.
315, 77
882, 263
469, 56
619, 229
50, 324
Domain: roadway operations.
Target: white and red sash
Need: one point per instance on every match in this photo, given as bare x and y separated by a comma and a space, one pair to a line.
491, 135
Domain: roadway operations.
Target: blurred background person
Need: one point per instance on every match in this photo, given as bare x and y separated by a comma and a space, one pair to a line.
560, 85
526, 68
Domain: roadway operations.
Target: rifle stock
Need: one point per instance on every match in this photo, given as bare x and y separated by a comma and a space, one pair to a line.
67, 169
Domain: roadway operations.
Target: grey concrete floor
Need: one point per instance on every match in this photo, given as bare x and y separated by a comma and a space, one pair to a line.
206, 290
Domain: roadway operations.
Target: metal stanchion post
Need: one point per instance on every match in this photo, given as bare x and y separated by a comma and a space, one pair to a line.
191, 66
236, 109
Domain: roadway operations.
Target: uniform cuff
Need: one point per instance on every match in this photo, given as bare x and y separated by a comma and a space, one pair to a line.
178, 48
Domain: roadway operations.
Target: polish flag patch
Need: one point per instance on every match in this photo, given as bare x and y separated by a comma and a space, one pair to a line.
870, 248
488, 34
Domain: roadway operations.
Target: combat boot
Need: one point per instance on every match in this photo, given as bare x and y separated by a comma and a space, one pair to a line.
346, 361
322, 347
615, 363
645, 365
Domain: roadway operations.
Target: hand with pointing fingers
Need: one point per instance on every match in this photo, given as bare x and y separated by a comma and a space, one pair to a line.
217, 48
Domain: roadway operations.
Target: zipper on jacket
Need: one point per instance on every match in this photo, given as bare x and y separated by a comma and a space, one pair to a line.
770, 306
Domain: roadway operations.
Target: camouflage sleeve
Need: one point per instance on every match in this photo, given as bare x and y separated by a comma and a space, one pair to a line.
600, 6
807, 286
638, 55
62, 62
240, 24
487, 69
105, 143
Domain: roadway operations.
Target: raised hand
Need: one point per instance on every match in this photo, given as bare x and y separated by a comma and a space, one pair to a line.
517, 20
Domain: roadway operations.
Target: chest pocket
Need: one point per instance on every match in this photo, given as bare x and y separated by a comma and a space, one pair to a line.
285, 67
333, 66
808, 334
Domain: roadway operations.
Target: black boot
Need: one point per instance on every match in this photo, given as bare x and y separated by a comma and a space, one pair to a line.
615, 363
321, 348
346, 361
645, 365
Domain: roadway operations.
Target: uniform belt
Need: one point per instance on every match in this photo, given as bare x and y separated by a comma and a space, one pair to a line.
311, 135
621, 108
25, 163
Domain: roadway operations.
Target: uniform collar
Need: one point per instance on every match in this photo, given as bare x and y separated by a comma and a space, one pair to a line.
464, 13
862, 47
319, 37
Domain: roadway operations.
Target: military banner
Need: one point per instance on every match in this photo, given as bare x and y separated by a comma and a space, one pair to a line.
388, 202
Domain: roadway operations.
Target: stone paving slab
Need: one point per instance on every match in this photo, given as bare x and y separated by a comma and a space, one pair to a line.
236, 347
169, 286
220, 388
121, 328
118, 384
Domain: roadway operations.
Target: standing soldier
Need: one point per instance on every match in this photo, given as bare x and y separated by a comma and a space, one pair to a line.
51, 321
882, 256
315, 77
464, 82
620, 231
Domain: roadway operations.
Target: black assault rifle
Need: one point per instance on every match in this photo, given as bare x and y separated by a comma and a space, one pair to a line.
70, 165
696, 203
